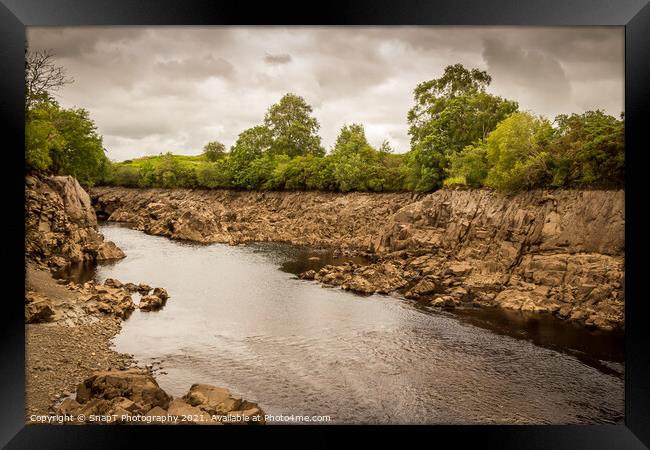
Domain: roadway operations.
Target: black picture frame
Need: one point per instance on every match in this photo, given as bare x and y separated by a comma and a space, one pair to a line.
16, 15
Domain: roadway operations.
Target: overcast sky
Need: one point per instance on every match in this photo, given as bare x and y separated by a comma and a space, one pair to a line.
159, 89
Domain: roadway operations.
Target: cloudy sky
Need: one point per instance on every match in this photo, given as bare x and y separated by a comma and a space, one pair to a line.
159, 89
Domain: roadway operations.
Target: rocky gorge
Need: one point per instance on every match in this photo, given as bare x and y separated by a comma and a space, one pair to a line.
559, 252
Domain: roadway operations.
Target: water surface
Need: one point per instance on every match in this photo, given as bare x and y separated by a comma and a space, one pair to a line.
239, 318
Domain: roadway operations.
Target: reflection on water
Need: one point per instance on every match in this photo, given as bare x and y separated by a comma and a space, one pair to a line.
235, 320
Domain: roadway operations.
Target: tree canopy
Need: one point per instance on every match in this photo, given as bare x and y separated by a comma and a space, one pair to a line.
293, 129
450, 112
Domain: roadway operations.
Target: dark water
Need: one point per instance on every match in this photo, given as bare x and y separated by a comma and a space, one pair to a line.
238, 318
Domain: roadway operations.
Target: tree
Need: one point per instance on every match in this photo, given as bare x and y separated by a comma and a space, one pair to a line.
517, 152
293, 130
214, 150
42, 77
251, 144
471, 165
450, 113
589, 148
385, 147
354, 161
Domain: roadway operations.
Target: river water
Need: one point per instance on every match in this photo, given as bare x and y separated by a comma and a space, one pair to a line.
238, 317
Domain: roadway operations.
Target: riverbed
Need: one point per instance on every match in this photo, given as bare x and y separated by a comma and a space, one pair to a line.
239, 317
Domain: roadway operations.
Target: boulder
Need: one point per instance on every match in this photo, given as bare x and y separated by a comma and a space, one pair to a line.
308, 275
112, 282
144, 288
39, 309
212, 399
161, 293
221, 402
188, 413
137, 385
151, 303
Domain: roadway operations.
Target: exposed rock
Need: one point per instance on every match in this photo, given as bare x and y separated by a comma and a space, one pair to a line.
144, 288
220, 401
137, 385
38, 308
161, 293
152, 302
571, 241
308, 275
425, 286
60, 224
113, 283
135, 392
188, 413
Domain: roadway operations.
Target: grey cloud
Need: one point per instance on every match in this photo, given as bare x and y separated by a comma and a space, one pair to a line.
196, 68
530, 71
156, 89
282, 58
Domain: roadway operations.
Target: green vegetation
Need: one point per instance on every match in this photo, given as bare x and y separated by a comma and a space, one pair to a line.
57, 140
525, 151
460, 135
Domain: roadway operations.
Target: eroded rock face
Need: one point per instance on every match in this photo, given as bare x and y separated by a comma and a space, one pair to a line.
60, 224
560, 251
124, 394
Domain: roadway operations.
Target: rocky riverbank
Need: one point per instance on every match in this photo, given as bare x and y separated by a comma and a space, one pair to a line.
72, 370
559, 252
69, 326
61, 226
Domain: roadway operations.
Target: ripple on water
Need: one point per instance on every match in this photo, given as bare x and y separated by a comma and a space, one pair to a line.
235, 320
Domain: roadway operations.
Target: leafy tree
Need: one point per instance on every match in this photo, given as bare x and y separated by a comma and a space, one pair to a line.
385, 147
293, 130
516, 152
83, 155
450, 113
471, 165
214, 150
251, 144
588, 149
351, 156
214, 175
42, 139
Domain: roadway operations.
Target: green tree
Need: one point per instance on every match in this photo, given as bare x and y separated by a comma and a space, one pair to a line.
517, 152
588, 149
83, 155
353, 159
42, 139
293, 129
385, 147
214, 150
251, 144
450, 113
214, 175
471, 165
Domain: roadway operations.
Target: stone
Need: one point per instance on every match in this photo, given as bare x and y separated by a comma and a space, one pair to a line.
212, 399
112, 282
308, 275
39, 311
151, 303
136, 385
144, 288
188, 413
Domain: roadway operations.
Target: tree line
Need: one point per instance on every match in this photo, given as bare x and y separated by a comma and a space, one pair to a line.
459, 135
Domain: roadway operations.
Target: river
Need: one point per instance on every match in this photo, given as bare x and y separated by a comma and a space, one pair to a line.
239, 317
